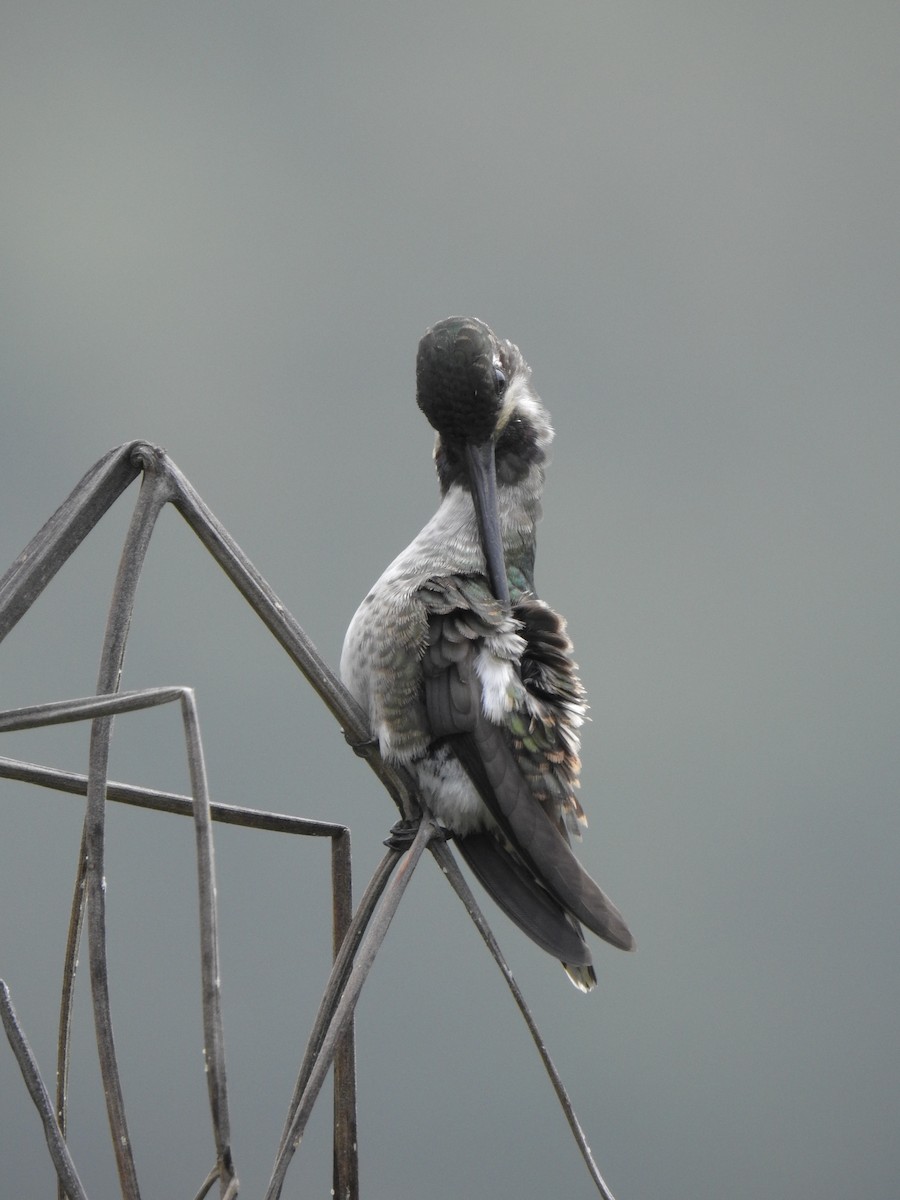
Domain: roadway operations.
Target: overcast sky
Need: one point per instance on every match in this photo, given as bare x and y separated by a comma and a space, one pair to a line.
224, 228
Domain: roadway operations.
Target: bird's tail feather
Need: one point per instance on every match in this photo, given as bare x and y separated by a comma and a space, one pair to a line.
534, 910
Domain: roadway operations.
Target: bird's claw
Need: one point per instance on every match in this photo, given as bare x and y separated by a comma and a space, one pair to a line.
362, 749
403, 833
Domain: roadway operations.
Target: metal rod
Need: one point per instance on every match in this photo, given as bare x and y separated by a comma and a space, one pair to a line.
171, 802
213, 1032
59, 1151
450, 868
154, 494
369, 948
63, 533
345, 1172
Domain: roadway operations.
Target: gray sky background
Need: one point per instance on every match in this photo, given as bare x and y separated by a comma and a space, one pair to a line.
224, 228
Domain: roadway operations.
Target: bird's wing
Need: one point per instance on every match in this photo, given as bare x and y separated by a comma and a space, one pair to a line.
528, 905
489, 692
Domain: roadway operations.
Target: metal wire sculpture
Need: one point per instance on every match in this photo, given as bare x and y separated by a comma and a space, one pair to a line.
356, 936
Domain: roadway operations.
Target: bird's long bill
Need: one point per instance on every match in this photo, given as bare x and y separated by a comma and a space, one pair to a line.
483, 477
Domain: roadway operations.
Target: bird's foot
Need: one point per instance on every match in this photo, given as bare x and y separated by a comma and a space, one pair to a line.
362, 749
403, 833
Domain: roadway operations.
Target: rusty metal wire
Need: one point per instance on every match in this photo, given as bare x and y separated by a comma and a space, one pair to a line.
356, 937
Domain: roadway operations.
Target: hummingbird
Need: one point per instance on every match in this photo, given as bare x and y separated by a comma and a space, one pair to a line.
467, 677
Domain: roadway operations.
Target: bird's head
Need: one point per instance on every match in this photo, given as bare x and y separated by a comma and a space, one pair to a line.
474, 390
462, 380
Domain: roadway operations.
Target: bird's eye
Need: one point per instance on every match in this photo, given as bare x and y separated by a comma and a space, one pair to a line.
499, 380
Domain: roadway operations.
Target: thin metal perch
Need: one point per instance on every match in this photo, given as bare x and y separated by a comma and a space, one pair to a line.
342, 1014
332, 1033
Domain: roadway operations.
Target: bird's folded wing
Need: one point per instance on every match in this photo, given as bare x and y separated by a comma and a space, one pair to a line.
455, 707
487, 756
531, 908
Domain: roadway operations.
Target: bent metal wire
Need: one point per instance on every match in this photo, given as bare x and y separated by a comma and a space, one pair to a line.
357, 937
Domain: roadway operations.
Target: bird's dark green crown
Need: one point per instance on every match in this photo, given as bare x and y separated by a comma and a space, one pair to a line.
460, 381
473, 386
